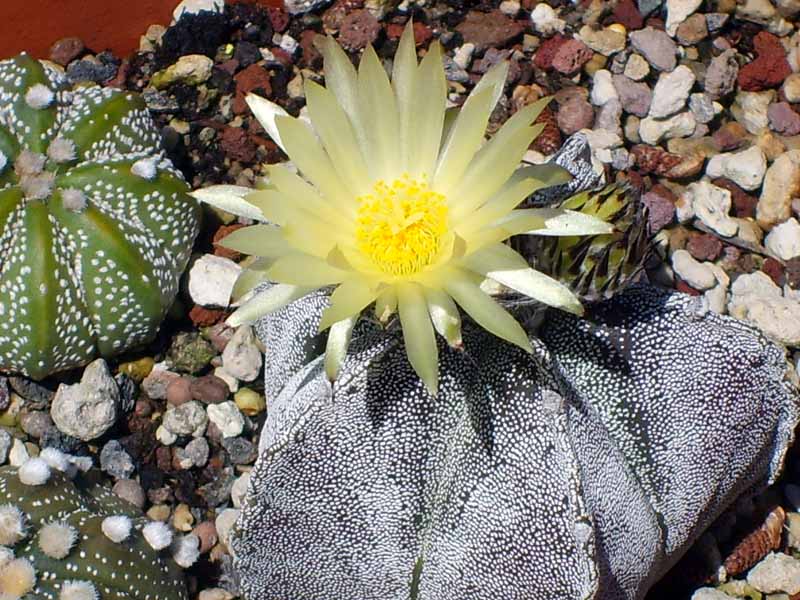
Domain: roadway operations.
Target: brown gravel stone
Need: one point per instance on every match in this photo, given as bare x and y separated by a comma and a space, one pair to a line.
627, 13
757, 544
278, 17
334, 16
130, 490
704, 247
549, 140
693, 30
489, 29
65, 50
237, 145
574, 115
744, 205
653, 159
206, 532
729, 137
179, 391
252, 79
209, 389
792, 272
205, 317
358, 29
775, 271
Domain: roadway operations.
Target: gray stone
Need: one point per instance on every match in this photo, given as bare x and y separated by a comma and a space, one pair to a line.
195, 454
776, 573
746, 168
696, 274
652, 130
710, 204
636, 68
635, 96
242, 358
751, 109
187, 419
784, 239
227, 417
702, 107
656, 46
88, 409
756, 298
156, 382
115, 461
211, 280
5, 445
721, 74
603, 88
671, 92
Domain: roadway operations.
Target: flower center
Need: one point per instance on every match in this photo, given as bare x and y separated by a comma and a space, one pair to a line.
400, 225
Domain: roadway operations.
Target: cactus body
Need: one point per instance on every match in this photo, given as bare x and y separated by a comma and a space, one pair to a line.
126, 570
95, 223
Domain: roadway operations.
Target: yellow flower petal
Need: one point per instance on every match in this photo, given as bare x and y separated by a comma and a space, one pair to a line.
404, 84
230, 198
256, 240
340, 78
304, 269
386, 304
267, 301
307, 153
266, 112
418, 334
430, 101
334, 129
378, 107
554, 222
504, 265
336, 348
349, 299
254, 275
301, 195
444, 315
486, 312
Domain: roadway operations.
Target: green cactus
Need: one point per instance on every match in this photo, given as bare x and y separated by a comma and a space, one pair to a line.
596, 266
95, 223
62, 541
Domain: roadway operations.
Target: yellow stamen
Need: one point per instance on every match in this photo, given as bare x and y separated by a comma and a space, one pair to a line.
400, 225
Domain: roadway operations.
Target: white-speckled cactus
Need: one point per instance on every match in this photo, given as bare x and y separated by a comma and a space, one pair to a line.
581, 471
66, 539
95, 224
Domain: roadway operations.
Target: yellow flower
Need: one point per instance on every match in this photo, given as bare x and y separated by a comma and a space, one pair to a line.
399, 205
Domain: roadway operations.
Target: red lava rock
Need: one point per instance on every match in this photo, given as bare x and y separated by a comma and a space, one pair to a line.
252, 79
571, 56
67, 49
783, 119
206, 532
492, 29
333, 17
652, 159
775, 271
237, 145
769, 69
422, 33
278, 17
220, 234
704, 247
744, 205
164, 458
118, 81
792, 272
219, 335
205, 317
685, 288
574, 115
311, 56
627, 13
547, 52
660, 203
359, 28
549, 141
209, 389
179, 391
729, 137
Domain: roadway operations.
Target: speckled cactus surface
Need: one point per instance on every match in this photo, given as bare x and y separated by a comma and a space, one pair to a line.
72, 546
95, 223
582, 471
